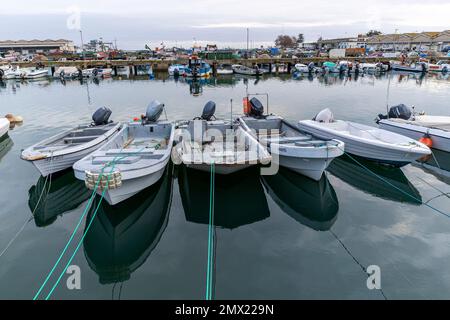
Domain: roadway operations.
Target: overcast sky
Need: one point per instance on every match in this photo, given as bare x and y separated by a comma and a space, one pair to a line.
135, 23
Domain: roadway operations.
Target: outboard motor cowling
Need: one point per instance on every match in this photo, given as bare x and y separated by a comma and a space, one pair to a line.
101, 116
154, 110
401, 111
208, 110
256, 107
324, 116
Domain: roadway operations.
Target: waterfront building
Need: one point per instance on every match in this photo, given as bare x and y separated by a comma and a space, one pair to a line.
36, 46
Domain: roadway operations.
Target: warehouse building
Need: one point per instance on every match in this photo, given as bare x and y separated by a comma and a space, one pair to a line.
37, 46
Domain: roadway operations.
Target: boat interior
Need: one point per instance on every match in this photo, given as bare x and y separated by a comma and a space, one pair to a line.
135, 143
80, 135
275, 129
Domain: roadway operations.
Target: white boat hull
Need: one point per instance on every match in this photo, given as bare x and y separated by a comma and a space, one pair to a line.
4, 126
440, 138
58, 163
309, 167
371, 149
131, 187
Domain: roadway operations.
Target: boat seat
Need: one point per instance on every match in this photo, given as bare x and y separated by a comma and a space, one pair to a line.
284, 140
314, 143
126, 152
79, 139
127, 160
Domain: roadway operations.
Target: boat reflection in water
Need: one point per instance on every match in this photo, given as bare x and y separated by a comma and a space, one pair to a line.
312, 203
239, 199
355, 175
5, 145
438, 165
121, 237
59, 194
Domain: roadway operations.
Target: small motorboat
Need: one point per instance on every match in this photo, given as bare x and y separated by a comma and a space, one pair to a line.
413, 67
402, 120
288, 146
240, 69
440, 66
4, 126
61, 151
177, 70
134, 159
96, 72
197, 68
66, 73
7, 73
331, 67
302, 68
30, 73
365, 141
205, 141
224, 69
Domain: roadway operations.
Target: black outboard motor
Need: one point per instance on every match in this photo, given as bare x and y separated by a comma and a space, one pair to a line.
401, 111
208, 110
256, 108
154, 110
397, 112
311, 67
101, 116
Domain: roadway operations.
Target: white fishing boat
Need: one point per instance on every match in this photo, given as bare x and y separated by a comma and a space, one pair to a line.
402, 120
66, 73
4, 126
7, 72
240, 69
61, 151
440, 66
413, 67
96, 72
225, 69
134, 159
177, 70
302, 68
206, 141
30, 73
365, 141
289, 147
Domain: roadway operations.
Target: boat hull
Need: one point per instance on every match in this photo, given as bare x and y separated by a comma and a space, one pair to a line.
440, 138
55, 164
384, 154
309, 167
131, 187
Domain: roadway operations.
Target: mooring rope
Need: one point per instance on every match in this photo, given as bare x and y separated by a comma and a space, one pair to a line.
111, 163
82, 238
395, 187
47, 178
209, 270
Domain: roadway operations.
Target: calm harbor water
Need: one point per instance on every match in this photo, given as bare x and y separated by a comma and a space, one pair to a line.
281, 237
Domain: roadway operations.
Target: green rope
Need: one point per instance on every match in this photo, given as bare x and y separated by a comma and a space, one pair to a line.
82, 238
112, 163
209, 271
71, 237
